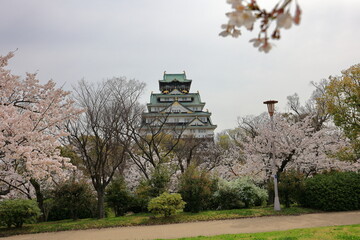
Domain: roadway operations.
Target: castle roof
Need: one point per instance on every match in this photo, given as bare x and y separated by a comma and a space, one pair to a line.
154, 98
175, 77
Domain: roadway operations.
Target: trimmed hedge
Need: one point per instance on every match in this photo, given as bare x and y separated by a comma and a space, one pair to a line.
335, 191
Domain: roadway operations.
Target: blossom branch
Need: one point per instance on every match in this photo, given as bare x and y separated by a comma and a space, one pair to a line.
246, 13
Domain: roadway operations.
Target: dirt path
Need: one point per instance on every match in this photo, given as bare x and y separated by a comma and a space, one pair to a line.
247, 225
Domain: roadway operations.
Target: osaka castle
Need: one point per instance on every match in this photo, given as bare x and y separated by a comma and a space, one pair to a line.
176, 110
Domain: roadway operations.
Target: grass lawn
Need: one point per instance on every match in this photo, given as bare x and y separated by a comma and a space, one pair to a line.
349, 232
144, 219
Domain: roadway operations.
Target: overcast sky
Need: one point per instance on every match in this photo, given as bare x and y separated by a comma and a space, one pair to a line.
67, 40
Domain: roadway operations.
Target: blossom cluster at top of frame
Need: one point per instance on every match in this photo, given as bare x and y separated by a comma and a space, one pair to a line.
246, 13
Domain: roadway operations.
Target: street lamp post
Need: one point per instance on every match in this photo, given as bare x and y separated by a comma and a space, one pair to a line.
271, 109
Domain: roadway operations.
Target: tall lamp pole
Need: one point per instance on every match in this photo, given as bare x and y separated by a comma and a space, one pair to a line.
271, 109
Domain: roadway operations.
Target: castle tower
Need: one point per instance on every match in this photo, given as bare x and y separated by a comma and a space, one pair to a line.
176, 108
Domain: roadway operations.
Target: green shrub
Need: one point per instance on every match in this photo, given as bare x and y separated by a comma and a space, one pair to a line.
196, 188
118, 197
291, 187
226, 197
159, 181
17, 212
140, 200
166, 204
335, 191
157, 184
242, 192
48, 206
73, 200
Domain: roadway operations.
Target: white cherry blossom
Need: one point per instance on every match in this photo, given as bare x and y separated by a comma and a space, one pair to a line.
236, 33
241, 18
284, 20
257, 41
246, 13
266, 47
236, 4
224, 33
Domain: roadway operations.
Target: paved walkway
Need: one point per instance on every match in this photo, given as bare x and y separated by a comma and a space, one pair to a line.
245, 225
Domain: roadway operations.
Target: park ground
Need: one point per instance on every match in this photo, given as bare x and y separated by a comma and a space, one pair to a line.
210, 228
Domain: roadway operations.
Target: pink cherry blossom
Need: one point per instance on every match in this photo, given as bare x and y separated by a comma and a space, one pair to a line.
297, 146
31, 119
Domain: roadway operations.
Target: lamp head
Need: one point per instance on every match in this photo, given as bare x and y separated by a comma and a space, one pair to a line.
271, 106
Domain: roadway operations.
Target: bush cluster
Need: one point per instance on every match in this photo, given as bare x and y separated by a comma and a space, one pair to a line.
166, 204
72, 200
196, 188
290, 186
157, 184
118, 197
159, 181
239, 193
335, 191
17, 212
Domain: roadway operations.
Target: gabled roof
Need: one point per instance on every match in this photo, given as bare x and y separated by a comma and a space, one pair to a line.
177, 105
173, 77
175, 91
196, 122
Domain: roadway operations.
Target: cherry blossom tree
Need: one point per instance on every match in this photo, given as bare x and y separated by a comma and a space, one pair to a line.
246, 12
31, 122
209, 156
298, 147
227, 153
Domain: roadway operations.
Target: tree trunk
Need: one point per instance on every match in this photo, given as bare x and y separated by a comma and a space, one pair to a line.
100, 203
39, 198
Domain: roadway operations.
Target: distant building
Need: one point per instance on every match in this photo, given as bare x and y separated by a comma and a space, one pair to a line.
176, 110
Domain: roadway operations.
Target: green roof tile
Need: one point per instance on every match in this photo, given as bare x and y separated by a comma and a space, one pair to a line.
181, 77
